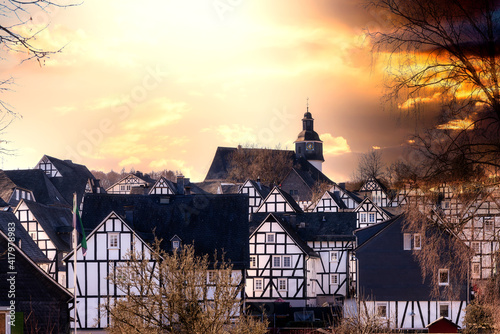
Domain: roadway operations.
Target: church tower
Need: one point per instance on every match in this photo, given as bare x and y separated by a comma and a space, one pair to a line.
308, 145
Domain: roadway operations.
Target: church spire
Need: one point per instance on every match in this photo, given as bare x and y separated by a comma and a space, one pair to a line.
308, 144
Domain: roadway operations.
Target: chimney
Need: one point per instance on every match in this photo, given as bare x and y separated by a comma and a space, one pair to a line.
342, 185
129, 213
180, 184
258, 183
187, 190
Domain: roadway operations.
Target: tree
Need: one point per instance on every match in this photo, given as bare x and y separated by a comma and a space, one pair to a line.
370, 165
178, 293
446, 52
18, 34
271, 166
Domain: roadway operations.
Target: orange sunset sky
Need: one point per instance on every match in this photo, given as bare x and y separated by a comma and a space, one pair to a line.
161, 84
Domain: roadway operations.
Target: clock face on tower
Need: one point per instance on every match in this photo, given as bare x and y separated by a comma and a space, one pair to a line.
310, 146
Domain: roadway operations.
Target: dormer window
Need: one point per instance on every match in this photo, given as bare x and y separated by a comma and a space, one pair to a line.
176, 242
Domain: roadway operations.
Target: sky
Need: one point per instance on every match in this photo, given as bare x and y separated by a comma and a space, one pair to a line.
159, 85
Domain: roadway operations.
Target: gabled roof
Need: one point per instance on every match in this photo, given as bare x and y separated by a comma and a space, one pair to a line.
30, 179
367, 233
375, 182
212, 221
377, 208
74, 178
219, 169
167, 182
336, 199
309, 174
289, 230
56, 221
261, 189
146, 179
28, 246
350, 194
314, 226
286, 197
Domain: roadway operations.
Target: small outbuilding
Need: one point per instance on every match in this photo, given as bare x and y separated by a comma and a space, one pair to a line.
442, 325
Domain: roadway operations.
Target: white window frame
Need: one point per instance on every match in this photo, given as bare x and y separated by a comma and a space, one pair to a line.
284, 264
176, 244
253, 261
282, 284
362, 217
371, 217
407, 241
447, 307
276, 261
385, 307
334, 279
417, 245
334, 256
112, 238
271, 238
442, 271
258, 284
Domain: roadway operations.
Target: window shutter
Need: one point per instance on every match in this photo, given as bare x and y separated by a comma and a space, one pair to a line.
407, 241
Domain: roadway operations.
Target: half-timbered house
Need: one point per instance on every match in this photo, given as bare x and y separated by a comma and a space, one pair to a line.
50, 227
350, 199
329, 202
376, 190
68, 177
29, 184
390, 282
368, 213
256, 192
129, 181
117, 224
30, 298
279, 201
304, 259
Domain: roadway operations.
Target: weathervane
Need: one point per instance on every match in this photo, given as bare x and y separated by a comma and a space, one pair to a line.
307, 104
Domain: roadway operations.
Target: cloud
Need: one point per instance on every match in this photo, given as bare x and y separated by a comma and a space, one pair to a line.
458, 124
63, 110
334, 145
235, 134
155, 113
130, 161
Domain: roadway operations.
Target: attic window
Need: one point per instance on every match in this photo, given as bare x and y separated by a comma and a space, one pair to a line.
113, 240
176, 244
270, 238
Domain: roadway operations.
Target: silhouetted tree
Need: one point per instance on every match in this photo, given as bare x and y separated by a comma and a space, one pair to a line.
370, 165
178, 292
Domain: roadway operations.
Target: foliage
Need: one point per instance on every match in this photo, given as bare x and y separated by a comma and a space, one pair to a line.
361, 320
370, 165
254, 163
178, 293
477, 318
110, 178
444, 54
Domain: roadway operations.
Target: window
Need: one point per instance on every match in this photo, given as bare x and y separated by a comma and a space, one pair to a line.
282, 284
276, 261
113, 240
381, 309
287, 261
444, 310
270, 238
444, 276
176, 244
258, 284
253, 261
211, 275
417, 241
407, 241
371, 217
334, 256
476, 247
476, 268
334, 279
122, 187
488, 225
362, 218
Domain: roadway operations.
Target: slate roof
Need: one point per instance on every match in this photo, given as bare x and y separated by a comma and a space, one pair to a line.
57, 222
30, 179
310, 174
317, 225
28, 246
74, 178
261, 189
220, 166
212, 221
